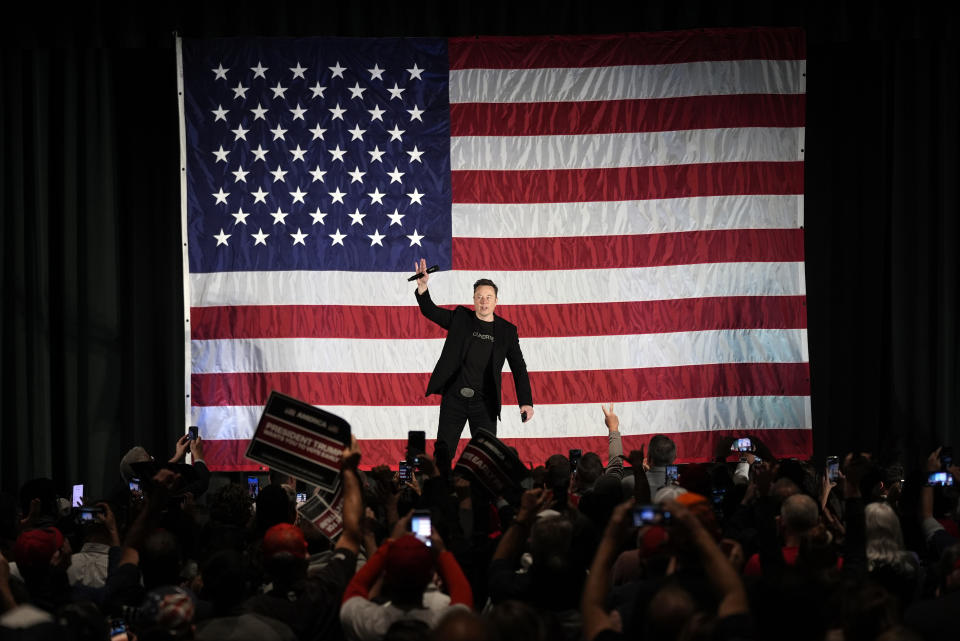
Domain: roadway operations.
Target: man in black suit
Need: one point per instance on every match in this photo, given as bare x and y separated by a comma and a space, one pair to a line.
467, 374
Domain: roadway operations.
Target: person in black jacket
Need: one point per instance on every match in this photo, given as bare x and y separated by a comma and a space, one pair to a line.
467, 375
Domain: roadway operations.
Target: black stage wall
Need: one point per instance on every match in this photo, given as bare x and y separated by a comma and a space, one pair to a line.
90, 257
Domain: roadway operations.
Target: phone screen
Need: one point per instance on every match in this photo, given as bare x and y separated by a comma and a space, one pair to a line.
192, 432
253, 483
940, 478
404, 471
575, 458
421, 527
135, 485
77, 495
672, 474
833, 468
301, 497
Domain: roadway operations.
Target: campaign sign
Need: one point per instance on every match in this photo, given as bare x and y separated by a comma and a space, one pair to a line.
488, 461
301, 440
325, 511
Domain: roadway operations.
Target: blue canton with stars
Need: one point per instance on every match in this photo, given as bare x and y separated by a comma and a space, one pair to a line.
317, 154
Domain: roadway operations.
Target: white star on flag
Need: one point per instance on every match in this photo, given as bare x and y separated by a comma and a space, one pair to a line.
298, 71
259, 238
337, 238
376, 196
298, 196
337, 195
298, 237
376, 238
415, 72
221, 237
357, 217
219, 72
221, 197
259, 71
415, 238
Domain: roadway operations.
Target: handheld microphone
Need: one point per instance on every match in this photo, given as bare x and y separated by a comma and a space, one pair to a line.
420, 275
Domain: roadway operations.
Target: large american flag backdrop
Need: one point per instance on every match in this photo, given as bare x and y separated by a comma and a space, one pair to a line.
637, 198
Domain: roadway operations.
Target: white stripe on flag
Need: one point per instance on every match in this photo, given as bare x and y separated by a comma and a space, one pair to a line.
582, 419
541, 354
516, 288
724, 77
625, 217
647, 149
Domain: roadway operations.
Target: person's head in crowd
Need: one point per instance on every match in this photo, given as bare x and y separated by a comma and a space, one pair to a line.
407, 571
519, 621
274, 506
598, 503
792, 469
285, 555
870, 611
230, 505
589, 469
558, 479
166, 613
559, 565
84, 620
948, 570
224, 582
889, 564
783, 488
662, 451
884, 536
461, 625
38, 502
799, 514
818, 551
160, 559
408, 630
136, 454
39, 550
671, 609
668, 493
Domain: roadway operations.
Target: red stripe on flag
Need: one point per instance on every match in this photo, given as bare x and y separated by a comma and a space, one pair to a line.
627, 183
625, 116
533, 321
692, 447
588, 386
611, 252
631, 49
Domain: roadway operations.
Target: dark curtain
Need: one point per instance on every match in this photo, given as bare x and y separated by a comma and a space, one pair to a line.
90, 250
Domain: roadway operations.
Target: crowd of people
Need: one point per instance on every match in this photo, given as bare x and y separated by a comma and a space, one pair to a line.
746, 547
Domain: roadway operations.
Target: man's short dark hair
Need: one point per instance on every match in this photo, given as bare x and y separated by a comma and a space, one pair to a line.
488, 283
663, 451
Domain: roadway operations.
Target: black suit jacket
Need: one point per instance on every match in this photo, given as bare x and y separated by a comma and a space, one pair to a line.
459, 325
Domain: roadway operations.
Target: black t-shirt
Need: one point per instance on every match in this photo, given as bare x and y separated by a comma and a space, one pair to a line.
476, 360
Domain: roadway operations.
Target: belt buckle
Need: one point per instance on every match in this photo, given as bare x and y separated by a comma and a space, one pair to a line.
467, 392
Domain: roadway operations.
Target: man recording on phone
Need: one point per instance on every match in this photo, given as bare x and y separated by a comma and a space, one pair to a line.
467, 375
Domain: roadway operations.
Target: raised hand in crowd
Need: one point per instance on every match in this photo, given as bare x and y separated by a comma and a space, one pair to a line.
181, 447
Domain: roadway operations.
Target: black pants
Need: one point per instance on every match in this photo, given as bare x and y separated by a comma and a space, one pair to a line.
455, 411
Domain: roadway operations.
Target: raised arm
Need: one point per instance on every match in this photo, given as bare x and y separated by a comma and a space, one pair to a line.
440, 316
614, 443
352, 536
